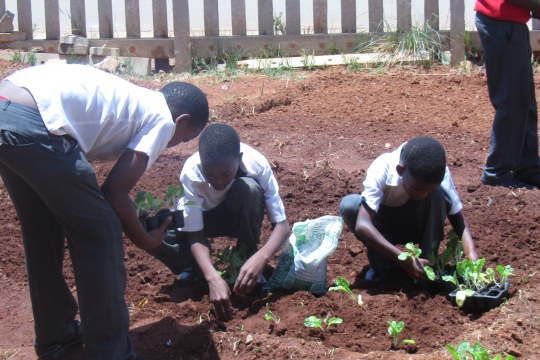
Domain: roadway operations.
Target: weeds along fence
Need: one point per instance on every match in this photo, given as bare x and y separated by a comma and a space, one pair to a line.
277, 36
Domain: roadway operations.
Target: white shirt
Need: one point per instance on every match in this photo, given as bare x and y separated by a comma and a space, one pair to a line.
103, 112
198, 190
383, 185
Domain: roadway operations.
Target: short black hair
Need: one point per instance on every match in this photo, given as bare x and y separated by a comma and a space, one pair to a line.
218, 141
185, 98
425, 159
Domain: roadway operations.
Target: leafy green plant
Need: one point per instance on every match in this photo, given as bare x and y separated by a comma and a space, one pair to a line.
394, 329
470, 278
317, 323
414, 253
449, 257
146, 202
229, 262
343, 285
464, 351
269, 315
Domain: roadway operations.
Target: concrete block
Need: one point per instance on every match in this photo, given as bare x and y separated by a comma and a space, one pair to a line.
103, 51
72, 44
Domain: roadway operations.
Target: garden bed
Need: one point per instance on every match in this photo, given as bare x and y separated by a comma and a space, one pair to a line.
321, 130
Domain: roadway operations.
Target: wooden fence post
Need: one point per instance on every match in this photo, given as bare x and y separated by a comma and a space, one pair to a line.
266, 17
52, 20
133, 19
320, 17
159, 17
457, 31
376, 16
292, 17
348, 16
238, 17
431, 13
182, 43
403, 11
78, 17
24, 10
105, 19
211, 18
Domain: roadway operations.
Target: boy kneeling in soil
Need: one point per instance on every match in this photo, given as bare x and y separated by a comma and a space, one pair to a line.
229, 184
408, 194
52, 119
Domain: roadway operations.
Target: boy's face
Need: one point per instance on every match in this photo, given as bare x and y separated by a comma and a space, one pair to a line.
221, 172
416, 189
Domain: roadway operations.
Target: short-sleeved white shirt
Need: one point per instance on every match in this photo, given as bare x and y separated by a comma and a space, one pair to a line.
383, 185
198, 190
104, 113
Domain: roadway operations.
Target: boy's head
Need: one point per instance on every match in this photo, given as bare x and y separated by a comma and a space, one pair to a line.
189, 110
219, 150
422, 166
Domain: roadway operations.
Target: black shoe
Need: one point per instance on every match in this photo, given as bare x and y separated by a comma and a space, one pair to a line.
190, 275
70, 348
531, 179
372, 275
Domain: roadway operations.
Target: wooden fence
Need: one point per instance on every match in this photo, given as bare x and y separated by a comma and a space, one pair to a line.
182, 47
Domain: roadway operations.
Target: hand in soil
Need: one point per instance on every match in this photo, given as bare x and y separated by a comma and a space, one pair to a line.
219, 296
249, 274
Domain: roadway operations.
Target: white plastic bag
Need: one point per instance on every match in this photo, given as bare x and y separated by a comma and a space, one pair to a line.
302, 265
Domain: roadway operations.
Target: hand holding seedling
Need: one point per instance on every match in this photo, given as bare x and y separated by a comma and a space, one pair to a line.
416, 267
158, 235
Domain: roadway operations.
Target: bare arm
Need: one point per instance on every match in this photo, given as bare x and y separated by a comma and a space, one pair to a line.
122, 178
366, 230
218, 287
462, 231
254, 266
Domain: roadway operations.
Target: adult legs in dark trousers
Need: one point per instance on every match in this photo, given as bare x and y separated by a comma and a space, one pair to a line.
420, 222
239, 216
56, 196
513, 151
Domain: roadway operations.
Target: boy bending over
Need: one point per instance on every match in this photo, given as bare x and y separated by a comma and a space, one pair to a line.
408, 194
52, 119
231, 185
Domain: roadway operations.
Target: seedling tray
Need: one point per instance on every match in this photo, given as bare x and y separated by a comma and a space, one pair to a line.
153, 222
482, 302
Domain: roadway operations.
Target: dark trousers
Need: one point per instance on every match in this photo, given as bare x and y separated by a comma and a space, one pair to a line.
56, 196
419, 222
513, 147
239, 216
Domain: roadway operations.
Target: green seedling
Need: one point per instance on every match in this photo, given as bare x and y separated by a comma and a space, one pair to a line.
141, 206
394, 329
449, 257
414, 253
229, 262
317, 323
343, 285
464, 351
474, 279
269, 315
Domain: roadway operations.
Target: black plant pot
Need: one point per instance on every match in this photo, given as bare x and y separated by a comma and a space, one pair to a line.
485, 300
440, 286
153, 222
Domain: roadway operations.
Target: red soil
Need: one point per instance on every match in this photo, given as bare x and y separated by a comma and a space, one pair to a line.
321, 130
